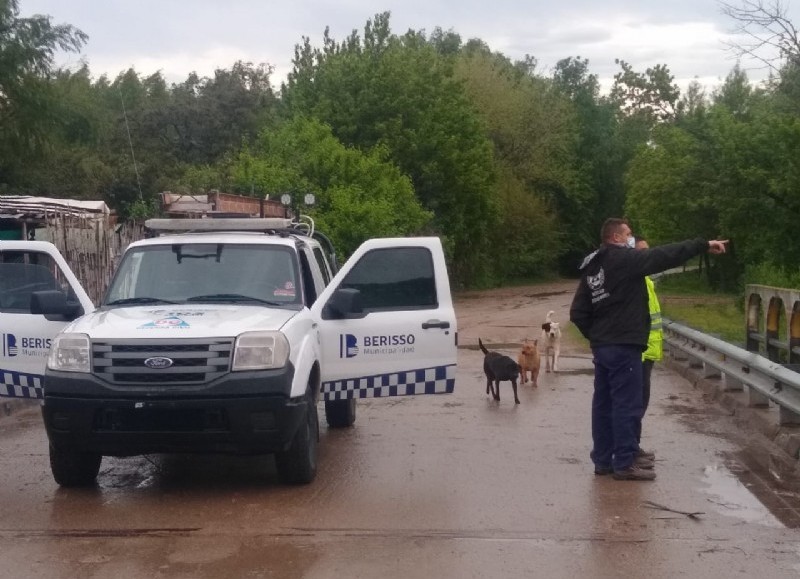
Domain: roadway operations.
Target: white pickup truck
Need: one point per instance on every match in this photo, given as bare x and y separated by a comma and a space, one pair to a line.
221, 336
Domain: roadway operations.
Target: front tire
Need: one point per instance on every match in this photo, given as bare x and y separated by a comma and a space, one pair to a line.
340, 413
298, 464
74, 469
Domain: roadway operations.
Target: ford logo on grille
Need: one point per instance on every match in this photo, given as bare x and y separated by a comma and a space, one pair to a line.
158, 363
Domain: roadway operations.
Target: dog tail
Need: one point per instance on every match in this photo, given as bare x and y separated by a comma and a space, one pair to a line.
550, 315
483, 348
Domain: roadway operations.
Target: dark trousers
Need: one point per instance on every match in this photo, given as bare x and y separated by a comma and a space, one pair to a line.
647, 371
616, 405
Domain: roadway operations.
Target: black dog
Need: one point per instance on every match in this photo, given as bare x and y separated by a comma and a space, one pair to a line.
498, 367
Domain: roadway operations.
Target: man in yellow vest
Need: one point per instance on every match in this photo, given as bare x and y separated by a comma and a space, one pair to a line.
655, 351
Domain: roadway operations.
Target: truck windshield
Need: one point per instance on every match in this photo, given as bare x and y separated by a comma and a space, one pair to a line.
207, 273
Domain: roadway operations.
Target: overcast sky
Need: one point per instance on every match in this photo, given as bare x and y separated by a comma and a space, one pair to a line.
181, 36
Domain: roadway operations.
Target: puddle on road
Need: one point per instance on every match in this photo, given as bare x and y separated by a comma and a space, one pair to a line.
733, 498
744, 483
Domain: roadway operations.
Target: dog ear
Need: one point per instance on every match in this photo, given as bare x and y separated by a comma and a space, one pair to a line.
546, 326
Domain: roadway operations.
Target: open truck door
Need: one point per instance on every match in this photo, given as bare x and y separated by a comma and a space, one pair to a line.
33, 274
387, 324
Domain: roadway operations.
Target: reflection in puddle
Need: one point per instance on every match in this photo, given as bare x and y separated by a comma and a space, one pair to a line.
732, 498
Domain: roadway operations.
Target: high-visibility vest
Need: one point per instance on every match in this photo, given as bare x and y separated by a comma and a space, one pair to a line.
655, 350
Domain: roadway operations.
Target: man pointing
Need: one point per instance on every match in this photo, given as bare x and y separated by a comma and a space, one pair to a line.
610, 308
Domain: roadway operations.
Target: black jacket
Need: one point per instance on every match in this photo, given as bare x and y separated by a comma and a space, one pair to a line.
610, 304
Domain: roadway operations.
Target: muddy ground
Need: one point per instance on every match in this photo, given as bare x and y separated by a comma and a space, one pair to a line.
451, 486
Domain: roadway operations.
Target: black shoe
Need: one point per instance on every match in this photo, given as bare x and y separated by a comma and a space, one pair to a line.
633, 472
642, 463
649, 455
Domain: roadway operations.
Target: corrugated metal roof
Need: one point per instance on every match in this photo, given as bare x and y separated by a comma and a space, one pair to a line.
26, 206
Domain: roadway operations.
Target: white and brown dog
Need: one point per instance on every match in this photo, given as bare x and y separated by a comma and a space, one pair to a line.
551, 338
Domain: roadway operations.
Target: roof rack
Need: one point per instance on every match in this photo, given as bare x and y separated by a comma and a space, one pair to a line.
265, 224
304, 225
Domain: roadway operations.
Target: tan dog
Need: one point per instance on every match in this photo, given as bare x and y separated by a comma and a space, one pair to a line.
529, 361
551, 336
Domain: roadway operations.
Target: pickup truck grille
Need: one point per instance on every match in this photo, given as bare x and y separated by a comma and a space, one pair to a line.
193, 361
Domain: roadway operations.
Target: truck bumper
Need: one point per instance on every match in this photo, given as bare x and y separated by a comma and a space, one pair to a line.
132, 423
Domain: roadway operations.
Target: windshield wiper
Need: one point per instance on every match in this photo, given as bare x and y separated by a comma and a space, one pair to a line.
139, 300
235, 298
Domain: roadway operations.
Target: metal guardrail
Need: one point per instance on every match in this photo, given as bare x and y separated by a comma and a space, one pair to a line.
738, 369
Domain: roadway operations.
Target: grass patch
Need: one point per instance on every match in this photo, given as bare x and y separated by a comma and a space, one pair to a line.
720, 318
690, 283
687, 299
574, 335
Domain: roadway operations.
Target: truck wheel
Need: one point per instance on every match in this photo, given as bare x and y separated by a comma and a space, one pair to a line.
74, 469
340, 413
298, 464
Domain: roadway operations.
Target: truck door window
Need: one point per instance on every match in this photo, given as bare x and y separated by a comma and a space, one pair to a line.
323, 265
25, 272
400, 278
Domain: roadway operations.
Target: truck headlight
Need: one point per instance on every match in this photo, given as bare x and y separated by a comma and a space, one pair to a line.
260, 351
70, 353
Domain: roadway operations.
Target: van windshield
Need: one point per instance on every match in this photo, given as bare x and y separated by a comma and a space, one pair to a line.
207, 273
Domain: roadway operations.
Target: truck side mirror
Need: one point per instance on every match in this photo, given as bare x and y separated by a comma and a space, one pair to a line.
54, 306
344, 303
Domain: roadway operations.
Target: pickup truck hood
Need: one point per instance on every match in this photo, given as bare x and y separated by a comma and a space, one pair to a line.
192, 321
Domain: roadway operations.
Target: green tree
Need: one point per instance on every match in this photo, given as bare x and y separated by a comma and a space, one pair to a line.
760, 180
662, 183
358, 195
651, 96
398, 93
725, 169
532, 128
601, 156
736, 93
27, 47
72, 165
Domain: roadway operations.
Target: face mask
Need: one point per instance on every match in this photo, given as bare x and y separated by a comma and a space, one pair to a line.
631, 242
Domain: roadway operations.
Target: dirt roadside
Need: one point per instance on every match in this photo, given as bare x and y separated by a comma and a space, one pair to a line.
504, 317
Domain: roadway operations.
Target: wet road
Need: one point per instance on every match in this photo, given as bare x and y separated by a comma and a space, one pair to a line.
453, 486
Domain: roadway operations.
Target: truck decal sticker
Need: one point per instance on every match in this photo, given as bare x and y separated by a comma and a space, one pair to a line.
10, 348
20, 385
390, 345
182, 314
14, 345
169, 323
435, 380
348, 346
286, 291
